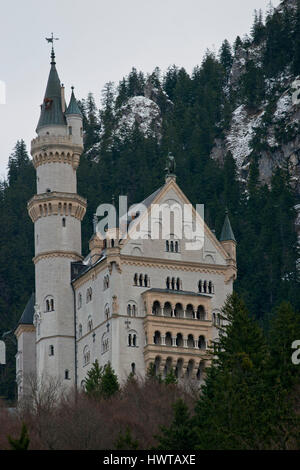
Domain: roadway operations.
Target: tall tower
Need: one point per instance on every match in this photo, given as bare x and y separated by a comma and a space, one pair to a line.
57, 211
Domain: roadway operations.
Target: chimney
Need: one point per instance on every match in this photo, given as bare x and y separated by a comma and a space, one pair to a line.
63, 101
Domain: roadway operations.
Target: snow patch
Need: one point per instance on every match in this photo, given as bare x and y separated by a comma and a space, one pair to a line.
142, 111
241, 132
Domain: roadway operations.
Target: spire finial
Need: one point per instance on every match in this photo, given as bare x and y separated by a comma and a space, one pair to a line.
51, 40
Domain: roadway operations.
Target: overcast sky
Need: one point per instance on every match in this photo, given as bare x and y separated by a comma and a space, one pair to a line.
101, 41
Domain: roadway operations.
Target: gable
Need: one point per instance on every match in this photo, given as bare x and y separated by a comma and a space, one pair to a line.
175, 228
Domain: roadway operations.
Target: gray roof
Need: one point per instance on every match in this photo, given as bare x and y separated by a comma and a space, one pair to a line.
148, 201
27, 315
73, 107
51, 109
180, 292
227, 232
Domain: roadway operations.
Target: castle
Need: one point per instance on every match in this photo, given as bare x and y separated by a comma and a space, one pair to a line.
132, 301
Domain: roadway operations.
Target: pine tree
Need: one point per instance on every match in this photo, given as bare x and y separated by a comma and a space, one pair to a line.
93, 382
23, 442
180, 435
126, 442
109, 382
284, 330
226, 57
237, 408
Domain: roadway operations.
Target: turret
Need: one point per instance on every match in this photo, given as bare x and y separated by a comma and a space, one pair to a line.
227, 238
74, 119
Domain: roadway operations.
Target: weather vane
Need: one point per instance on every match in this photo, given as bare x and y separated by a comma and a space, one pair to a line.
51, 40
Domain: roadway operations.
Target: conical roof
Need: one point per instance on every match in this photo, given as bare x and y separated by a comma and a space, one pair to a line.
27, 315
227, 232
73, 107
51, 109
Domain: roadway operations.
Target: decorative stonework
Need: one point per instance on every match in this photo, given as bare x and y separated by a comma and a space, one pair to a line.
56, 203
58, 254
55, 149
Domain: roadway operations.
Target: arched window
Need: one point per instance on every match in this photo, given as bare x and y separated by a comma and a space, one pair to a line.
173, 283
201, 342
90, 324
190, 311
169, 341
89, 295
51, 350
201, 313
134, 310
86, 356
67, 375
176, 247
105, 343
135, 279
200, 286
63, 222
157, 337
133, 368
141, 280
129, 310
146, 280
172, 247
79, 300
179, 340
167, 309
106, 312
112, 243
49, 304
204, 287
156, 308
178, 284
132, 339
167, 245
178, 312
190, 341
105, 282
168, 283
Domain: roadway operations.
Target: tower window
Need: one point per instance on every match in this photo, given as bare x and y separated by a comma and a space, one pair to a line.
51, 350
63, 222
133, 368
67, 375
49, 304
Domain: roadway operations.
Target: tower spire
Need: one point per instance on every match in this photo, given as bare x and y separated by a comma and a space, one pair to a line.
51, 40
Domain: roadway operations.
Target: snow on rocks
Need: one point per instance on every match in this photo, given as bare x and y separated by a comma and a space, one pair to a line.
142, 111
240, 134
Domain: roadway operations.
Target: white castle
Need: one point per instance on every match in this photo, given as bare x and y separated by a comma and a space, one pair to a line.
132, 301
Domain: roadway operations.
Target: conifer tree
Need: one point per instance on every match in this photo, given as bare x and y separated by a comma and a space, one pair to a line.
237, 408
180, 435
23, 442
109, 382
284, 330
125, 441
93, 382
